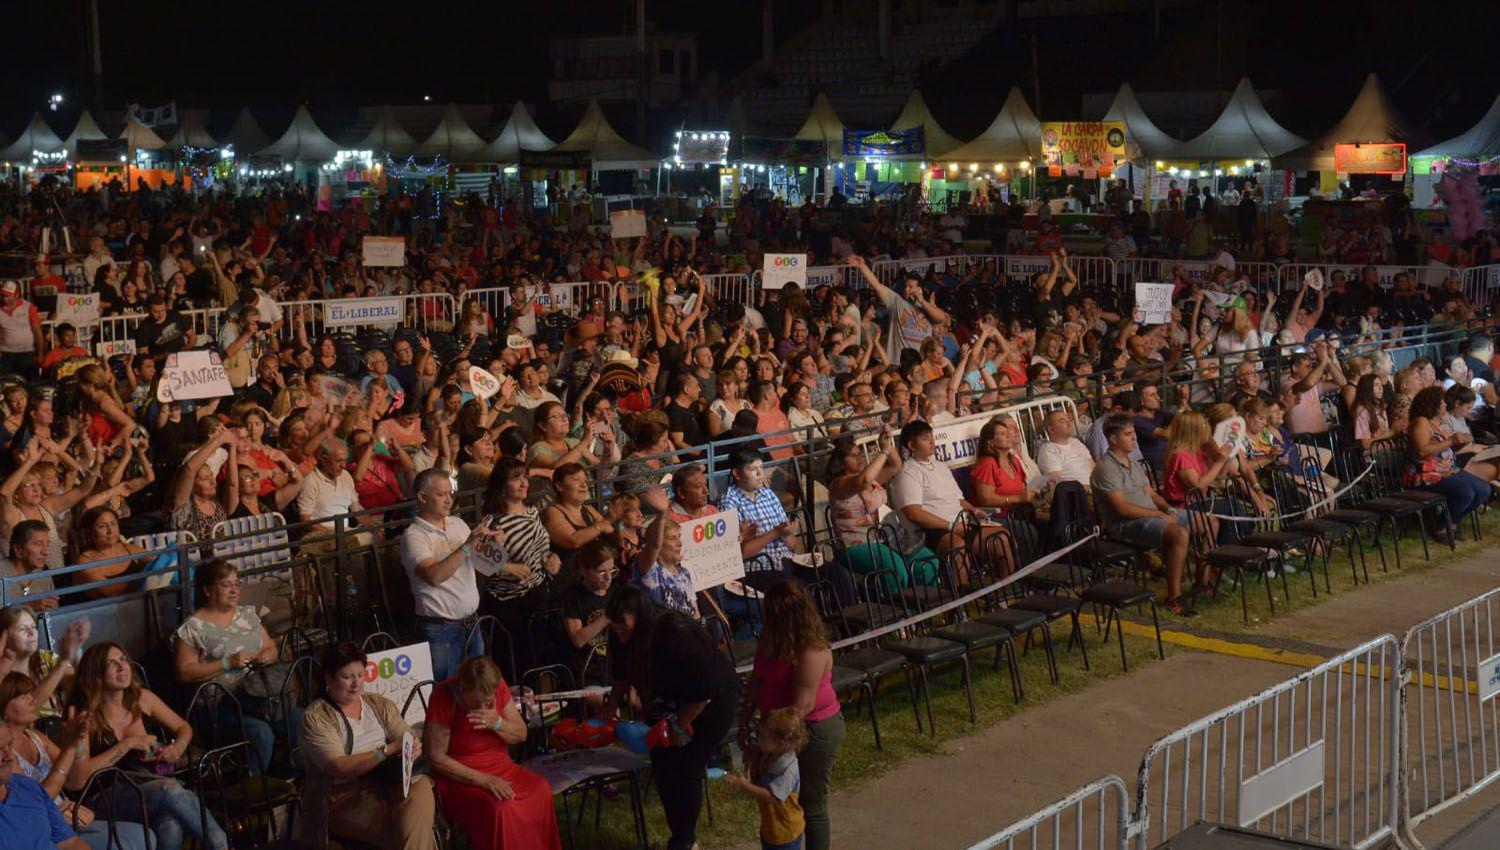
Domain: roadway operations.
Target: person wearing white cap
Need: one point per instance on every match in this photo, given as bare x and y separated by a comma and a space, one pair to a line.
22, 342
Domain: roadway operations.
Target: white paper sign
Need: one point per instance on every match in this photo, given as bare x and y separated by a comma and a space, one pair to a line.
627, 224
384, 251
781, 269
78, 310
358, 312
1233, 435
408, 750
517, 342
1314, 280
711, 549
394, 673
193, 374
106, 350
1218, 299
484, 384
1153, 303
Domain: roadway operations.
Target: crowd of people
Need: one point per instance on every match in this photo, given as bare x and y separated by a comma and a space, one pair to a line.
581, 470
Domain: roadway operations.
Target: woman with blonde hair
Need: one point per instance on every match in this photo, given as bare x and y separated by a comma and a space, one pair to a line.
109, 424
1237, 332
794, 668
1355, 368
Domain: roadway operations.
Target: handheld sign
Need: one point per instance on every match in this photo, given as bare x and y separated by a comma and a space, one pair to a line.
106, 350
627, 224
193, 374
78, 310
395, 672
484, 384
711, 549
1153, 303
1314, 280
361, 312
1233, 435
384, 251
779, 270
408, 750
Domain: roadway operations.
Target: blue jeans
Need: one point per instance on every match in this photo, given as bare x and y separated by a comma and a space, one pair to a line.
794, 844
223, 721
447, 643
1464, 491
128, 836
176, 812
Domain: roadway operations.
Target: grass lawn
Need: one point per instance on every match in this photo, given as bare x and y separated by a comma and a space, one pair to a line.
1223, 614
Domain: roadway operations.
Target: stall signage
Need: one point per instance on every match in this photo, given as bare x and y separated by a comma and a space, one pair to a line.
885, 142
1083, 145
1381, 158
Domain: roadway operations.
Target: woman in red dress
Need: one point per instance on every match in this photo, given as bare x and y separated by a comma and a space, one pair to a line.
471, 724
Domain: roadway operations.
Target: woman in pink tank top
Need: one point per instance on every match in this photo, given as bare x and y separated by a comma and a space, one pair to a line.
794, 667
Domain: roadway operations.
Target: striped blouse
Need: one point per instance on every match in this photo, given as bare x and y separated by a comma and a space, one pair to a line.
526, 542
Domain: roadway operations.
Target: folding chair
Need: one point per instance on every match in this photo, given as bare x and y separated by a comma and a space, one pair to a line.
977, 635
1243, 561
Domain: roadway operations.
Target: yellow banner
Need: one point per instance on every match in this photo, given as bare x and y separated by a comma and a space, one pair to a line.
1073, 146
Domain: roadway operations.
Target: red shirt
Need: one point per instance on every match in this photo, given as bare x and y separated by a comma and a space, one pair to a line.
1008, 479
380, 486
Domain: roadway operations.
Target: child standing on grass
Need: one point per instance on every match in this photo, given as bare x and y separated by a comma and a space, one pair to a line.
775, 780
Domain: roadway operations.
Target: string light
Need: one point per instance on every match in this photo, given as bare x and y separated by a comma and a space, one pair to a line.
415, 168
718, 139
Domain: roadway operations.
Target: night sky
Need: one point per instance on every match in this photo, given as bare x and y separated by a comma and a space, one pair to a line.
1436, 58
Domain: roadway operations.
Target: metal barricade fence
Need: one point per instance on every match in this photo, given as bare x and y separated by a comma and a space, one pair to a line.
1315, 757
1425, 276
736, 288
205, 323
424, 311
1451, 742
1479, 283
1095, 815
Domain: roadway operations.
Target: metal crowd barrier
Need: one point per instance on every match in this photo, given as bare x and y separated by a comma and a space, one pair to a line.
1096, 815
205, 324
1315, 757
425, 311
1451, 745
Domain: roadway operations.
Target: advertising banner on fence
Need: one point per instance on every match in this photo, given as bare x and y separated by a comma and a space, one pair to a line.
1076, 146
384, 251
1024, 268
782, 269
885, 142
393, 674
711, 549
1384, 158
356, 312
107, 350
193, 374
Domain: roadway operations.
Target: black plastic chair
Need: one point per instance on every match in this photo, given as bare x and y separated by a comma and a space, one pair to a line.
977, 635
867, 657
244, 801
846, 679
1027, 610
922, 652
1242, 561
488, 627
101, 792
1278, 536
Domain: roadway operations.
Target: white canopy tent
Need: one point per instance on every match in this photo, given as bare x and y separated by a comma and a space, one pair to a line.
138, 136
606, 149
1244, 130
520, 135
1480, 140
86, 130
246, 136
1143, 139
916, 114
192, 131
1014, 135
453, 139
388, 136
303, 142
823, 125
1371, 118
37, 137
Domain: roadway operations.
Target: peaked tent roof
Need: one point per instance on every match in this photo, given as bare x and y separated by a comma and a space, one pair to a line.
246, 136
1015, 134
302, 141
87, 130
1244, 130
37, 137
1143, 139
823, 125
1371, 118
519, 134
1482, 139
736, 121
192, 129
138, 136
606, 148
916, 114
388, 136
453, 138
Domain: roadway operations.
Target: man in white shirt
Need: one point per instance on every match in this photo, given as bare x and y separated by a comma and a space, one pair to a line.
437, 554
1062, 456
99, 255
328, 493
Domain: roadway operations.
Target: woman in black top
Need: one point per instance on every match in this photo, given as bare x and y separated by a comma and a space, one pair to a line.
678, 672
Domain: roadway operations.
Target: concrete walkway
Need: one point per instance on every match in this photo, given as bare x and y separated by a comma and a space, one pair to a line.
1001, 774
